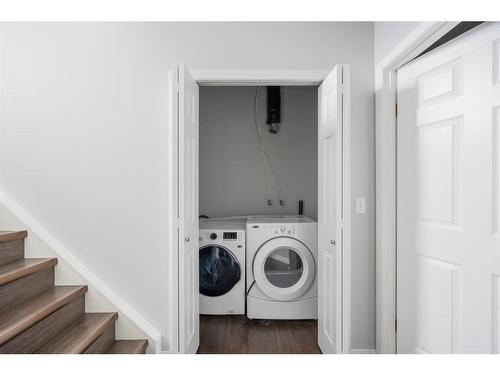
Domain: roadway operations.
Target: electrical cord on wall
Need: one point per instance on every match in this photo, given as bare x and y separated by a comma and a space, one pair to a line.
265, 156
249, 289
259, 136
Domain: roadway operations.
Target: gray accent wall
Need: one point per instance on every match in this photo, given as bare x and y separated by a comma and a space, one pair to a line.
232, 174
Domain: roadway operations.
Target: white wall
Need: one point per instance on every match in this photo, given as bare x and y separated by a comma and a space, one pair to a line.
388, 35
66, 274
232, 175
83, 131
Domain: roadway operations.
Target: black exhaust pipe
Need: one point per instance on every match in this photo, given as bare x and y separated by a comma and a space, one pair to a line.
273, 108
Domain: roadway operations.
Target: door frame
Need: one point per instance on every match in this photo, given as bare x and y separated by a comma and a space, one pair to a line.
171, 343
415, 43
259, 77
247, 78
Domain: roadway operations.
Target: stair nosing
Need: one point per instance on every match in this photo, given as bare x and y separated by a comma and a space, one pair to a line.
13, 275
41, 313
8, 236
89, 338
142, 348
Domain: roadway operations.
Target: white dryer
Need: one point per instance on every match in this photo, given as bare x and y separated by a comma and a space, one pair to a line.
222, 267
282, 267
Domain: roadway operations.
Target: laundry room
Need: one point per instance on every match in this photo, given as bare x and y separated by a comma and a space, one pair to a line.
258, 197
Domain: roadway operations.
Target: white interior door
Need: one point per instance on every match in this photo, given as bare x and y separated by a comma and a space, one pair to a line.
448, 240
189, 323
332, 122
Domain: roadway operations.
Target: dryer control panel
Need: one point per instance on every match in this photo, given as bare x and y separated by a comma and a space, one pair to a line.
279, 229
306, 229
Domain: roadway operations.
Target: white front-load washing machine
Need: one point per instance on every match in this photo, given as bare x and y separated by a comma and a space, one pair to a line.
281, 267
222, 267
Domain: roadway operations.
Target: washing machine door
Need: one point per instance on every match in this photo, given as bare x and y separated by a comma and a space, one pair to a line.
284, 268
219, 270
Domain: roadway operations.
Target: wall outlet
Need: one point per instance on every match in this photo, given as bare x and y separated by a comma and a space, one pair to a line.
361, 206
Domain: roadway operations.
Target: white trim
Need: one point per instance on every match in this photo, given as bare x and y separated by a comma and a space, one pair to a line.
346, 222
363, 351
173, 228
90, 277
259, 77
385, 100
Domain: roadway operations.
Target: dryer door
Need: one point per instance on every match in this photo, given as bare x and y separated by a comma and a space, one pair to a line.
284, 268
219, 270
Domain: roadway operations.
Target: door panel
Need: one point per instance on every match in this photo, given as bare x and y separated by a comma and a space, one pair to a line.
188, 208
330, 211
448, 245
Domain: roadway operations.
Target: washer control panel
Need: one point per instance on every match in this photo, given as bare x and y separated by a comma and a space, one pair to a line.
230, 235
221, 236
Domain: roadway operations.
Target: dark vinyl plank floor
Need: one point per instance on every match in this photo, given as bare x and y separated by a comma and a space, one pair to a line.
235, 334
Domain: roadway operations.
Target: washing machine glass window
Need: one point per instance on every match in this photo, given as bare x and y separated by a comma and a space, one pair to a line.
219, 270
283, 267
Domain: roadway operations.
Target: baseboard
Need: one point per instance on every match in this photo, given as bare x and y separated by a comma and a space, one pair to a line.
363, 351
90, 278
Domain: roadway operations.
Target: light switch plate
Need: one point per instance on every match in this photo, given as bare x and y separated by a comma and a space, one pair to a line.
361, 206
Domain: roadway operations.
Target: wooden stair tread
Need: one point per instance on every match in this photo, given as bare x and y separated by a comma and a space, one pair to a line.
6, 236
128, 347
24, 315
37, 316
75, 338
23, 267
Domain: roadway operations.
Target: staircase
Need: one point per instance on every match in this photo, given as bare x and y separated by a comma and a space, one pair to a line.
37, 316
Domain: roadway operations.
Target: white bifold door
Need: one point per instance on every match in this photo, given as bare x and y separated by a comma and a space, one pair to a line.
333, 211
448, 241
189, 323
